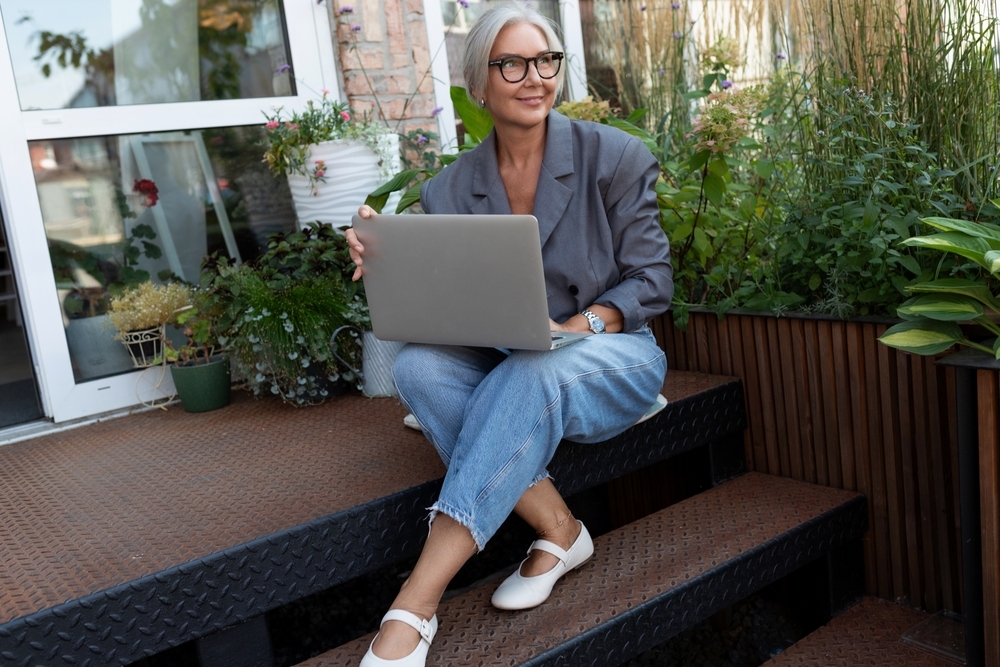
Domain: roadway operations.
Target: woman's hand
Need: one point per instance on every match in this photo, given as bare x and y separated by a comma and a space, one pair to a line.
354, 245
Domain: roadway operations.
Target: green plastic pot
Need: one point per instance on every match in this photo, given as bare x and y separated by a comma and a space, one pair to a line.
203, 387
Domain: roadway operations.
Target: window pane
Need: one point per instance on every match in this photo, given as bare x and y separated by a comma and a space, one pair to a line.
87, 53
457, 22
104, 230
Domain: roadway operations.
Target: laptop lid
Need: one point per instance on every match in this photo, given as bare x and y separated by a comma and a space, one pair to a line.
456, 279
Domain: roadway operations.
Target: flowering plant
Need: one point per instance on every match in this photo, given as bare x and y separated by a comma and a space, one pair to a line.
289, 140
146, 306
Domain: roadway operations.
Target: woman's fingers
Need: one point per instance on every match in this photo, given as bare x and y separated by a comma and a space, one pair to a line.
366, 211
354, 247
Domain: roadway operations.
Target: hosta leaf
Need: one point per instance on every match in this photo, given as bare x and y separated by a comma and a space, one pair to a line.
978, 229
478, 122
970, 288
923, 336
992, 261
970, 247
943, 307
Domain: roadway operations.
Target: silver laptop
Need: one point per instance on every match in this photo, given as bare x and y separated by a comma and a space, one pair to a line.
458, 280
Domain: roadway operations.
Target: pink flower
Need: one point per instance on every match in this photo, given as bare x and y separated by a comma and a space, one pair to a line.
325, 92
272, 124
293, 126
345, 115
320, 173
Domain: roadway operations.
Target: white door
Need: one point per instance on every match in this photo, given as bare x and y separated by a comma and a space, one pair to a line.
98, 95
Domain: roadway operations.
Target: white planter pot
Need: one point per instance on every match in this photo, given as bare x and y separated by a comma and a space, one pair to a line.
352, 173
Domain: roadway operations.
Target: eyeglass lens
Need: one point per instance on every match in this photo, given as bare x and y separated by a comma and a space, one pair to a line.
515, 68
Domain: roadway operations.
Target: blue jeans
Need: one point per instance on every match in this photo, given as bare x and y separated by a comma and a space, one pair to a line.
496, 419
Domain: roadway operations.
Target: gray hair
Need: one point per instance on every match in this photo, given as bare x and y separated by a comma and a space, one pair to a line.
479, 43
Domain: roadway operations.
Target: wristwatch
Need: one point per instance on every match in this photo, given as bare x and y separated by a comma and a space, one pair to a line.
596, 323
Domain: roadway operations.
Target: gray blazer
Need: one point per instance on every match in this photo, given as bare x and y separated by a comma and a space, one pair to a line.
597, 217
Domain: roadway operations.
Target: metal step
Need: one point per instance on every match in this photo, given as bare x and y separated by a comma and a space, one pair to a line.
649, 580
865, 635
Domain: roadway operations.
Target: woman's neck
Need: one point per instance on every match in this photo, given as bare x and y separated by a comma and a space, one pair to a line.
519, 147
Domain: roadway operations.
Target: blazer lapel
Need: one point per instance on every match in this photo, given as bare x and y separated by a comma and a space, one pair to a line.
552, 196
486, 181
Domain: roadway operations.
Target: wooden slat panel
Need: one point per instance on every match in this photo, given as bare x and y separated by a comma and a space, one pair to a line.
859, 409
878, 499
698, 330
751, 384
776, 359
893, 483
940, 463
989, 494
925, 492
845, 418
950, 399
792, 396
714, 349
806, 413
735, 336
766, 389
829, 403
816, 393
908, 476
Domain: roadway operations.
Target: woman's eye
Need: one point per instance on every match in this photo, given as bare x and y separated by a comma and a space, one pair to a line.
510, 63
544, 60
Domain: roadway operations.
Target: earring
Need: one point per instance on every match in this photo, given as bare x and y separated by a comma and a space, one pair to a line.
482, 103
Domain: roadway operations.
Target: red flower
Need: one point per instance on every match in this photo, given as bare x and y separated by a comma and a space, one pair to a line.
148, 188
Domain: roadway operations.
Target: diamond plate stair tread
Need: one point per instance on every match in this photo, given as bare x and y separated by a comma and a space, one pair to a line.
631, 566
88, 509
867, 635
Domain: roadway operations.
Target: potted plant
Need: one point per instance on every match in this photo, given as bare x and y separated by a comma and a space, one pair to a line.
332, 159
140, 315
201, 374
278, 314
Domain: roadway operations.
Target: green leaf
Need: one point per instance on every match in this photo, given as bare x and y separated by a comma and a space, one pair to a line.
970, 288
719, 168
922, 336
694, 95
715, 188
992, 261
698, 160
996, 348
409, 198
912, 265
636, 116
682, 231
478, 122
942, 307
681, 316
970, 247
378, 199
814, 281
764, 168
702, 243
978, 229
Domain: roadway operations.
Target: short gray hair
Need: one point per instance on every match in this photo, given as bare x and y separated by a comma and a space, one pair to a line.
479, 43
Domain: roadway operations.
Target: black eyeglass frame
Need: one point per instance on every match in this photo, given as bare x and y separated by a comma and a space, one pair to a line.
557, 57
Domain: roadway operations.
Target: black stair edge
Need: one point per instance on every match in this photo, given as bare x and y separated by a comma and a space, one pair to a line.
148, 615
661, 618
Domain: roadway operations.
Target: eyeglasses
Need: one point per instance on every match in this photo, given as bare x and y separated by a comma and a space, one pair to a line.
513, 69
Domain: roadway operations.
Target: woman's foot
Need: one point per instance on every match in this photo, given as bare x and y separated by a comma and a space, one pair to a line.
402, 641
538, 561
523, 590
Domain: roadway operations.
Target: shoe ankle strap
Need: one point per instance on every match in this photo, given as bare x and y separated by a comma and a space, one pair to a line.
549, 547
424, 627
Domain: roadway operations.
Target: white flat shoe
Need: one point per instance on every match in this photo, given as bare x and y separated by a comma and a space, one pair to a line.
427, 630
519, 592
655, 408
411, 422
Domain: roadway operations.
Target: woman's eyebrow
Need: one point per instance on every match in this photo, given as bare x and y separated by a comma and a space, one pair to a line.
518, 55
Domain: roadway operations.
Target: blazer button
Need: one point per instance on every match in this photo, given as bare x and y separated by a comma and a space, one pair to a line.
573, 290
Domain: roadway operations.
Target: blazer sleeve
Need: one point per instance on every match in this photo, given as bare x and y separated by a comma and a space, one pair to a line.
641, 248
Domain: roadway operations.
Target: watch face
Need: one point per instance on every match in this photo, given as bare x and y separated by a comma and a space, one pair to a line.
596, 323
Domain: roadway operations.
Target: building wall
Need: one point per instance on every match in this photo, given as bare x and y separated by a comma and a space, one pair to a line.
385, 61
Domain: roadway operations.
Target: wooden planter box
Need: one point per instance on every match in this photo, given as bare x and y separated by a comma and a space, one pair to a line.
827, 403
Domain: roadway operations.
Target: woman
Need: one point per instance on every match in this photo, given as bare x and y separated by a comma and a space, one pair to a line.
494, 417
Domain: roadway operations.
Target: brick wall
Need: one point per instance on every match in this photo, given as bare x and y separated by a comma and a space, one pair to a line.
386, 61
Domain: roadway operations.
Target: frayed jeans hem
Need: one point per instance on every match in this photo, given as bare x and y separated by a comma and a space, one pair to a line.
461, 517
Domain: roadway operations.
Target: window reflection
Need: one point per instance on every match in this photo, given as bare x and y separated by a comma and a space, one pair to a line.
86, 53
120, 209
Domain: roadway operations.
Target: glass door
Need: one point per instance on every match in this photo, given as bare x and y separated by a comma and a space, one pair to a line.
18, 390
137, 152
